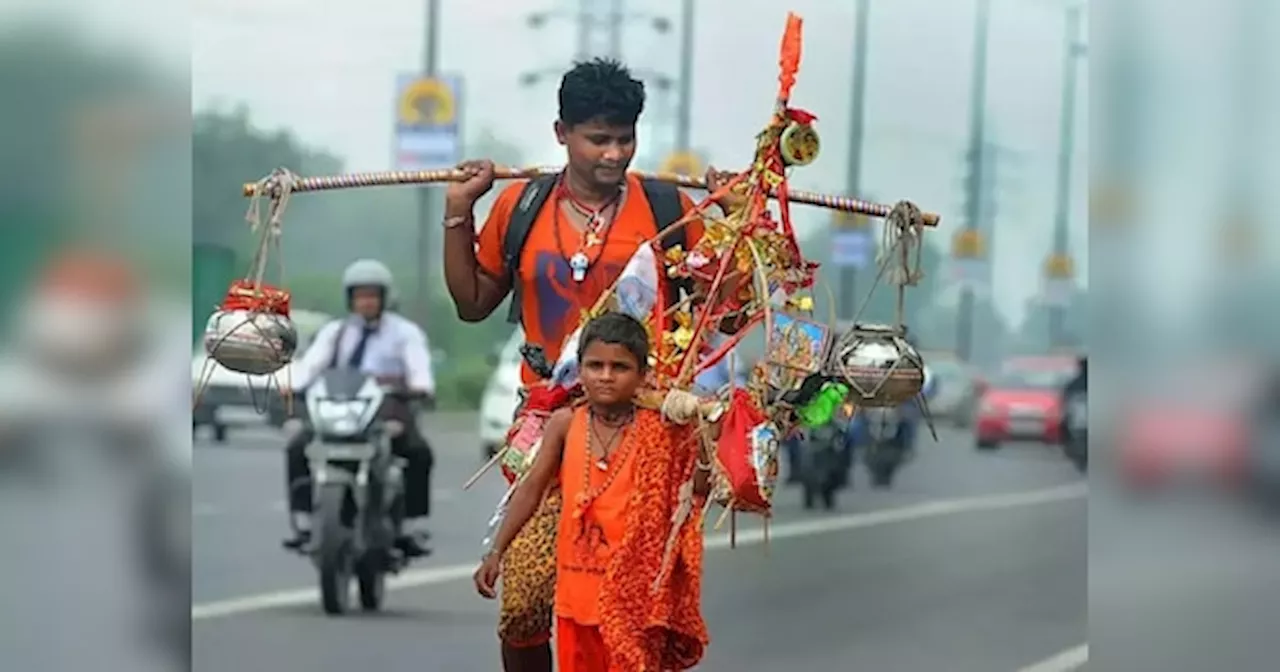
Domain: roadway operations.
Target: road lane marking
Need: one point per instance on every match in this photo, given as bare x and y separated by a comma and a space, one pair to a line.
281, 506
1071, 659
801, 528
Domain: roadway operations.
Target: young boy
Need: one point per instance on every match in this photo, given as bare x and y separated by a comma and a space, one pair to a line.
619, 470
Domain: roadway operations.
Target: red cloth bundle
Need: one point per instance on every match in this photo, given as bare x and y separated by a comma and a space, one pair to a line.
735, 453
541, 401
243, 295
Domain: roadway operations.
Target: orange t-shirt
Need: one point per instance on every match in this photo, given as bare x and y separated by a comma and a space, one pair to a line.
583, 545
552, 301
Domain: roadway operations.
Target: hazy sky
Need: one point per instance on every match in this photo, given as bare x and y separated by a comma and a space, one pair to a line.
327, 71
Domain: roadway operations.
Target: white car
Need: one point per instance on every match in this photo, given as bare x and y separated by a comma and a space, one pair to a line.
501, 396
226, 398
960, 385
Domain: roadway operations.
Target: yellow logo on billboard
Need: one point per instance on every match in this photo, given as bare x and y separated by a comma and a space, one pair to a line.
1059, 267
427, 102
968, 244
683, 163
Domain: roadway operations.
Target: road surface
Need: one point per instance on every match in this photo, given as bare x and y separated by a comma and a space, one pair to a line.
972, 562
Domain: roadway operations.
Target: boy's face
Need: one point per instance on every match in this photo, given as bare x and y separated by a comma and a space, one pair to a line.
610, 373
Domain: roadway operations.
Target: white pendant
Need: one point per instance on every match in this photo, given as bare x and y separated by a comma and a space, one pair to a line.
578, 263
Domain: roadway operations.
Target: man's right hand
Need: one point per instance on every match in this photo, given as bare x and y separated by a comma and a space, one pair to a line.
462, 196
486, 576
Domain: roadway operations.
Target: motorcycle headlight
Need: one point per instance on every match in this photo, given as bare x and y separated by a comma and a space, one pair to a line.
341, 417
330, 412
393, 428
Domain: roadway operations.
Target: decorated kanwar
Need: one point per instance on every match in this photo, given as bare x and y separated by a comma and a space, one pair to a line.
626, 290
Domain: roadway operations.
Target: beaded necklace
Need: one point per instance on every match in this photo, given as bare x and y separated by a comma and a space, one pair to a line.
612, 467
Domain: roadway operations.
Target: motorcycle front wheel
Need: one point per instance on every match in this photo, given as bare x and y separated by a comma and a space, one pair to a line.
882, 466
372, 579
333, 549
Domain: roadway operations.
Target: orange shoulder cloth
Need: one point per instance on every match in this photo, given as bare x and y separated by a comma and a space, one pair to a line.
663, 630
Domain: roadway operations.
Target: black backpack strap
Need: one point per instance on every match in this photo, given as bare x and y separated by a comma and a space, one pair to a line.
532, 197
664, 203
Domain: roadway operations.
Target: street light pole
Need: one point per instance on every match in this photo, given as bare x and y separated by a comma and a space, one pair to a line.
617, 13
684, 119
583, 51
977, 140
849, 273
1066, 146
428, 197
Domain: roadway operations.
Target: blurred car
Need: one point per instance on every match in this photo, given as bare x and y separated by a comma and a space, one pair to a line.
959, 386
1024, 402
1065, 364
1185, 428
228, 399
501, 396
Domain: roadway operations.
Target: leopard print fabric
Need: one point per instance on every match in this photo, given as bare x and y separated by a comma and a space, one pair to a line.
529, 578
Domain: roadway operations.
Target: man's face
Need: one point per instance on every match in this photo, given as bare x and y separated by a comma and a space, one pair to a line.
599, 153
366, 301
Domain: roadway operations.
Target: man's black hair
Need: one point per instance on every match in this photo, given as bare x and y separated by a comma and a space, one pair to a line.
602, 89
617, 329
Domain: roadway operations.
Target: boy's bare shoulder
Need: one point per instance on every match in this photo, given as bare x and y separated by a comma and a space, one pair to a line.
559, 420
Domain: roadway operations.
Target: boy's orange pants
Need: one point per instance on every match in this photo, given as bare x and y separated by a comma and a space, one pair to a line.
580, 648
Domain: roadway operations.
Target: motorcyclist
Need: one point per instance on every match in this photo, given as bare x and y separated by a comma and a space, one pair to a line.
912, 411
386, 345
1078, 385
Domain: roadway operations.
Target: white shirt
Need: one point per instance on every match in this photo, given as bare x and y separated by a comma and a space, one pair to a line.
397, 348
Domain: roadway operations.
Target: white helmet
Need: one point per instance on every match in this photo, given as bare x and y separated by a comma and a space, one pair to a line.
369, 273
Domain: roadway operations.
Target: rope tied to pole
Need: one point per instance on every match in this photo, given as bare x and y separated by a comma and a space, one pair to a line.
903, 235
278, 186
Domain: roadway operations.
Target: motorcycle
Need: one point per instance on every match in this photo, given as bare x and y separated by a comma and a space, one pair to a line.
821, 464
1076, 446
887, 435
357, 487
887, 443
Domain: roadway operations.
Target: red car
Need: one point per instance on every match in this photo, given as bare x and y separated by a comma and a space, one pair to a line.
1195, 429
1024, 402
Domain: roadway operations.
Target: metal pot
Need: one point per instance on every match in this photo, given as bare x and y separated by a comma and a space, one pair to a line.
882, 369
250, 342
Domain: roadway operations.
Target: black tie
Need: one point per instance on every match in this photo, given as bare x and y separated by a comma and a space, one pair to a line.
357, 355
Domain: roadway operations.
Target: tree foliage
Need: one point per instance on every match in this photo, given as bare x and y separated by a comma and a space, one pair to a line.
323, 232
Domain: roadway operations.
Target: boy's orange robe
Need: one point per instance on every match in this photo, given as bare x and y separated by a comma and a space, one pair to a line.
644, 630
